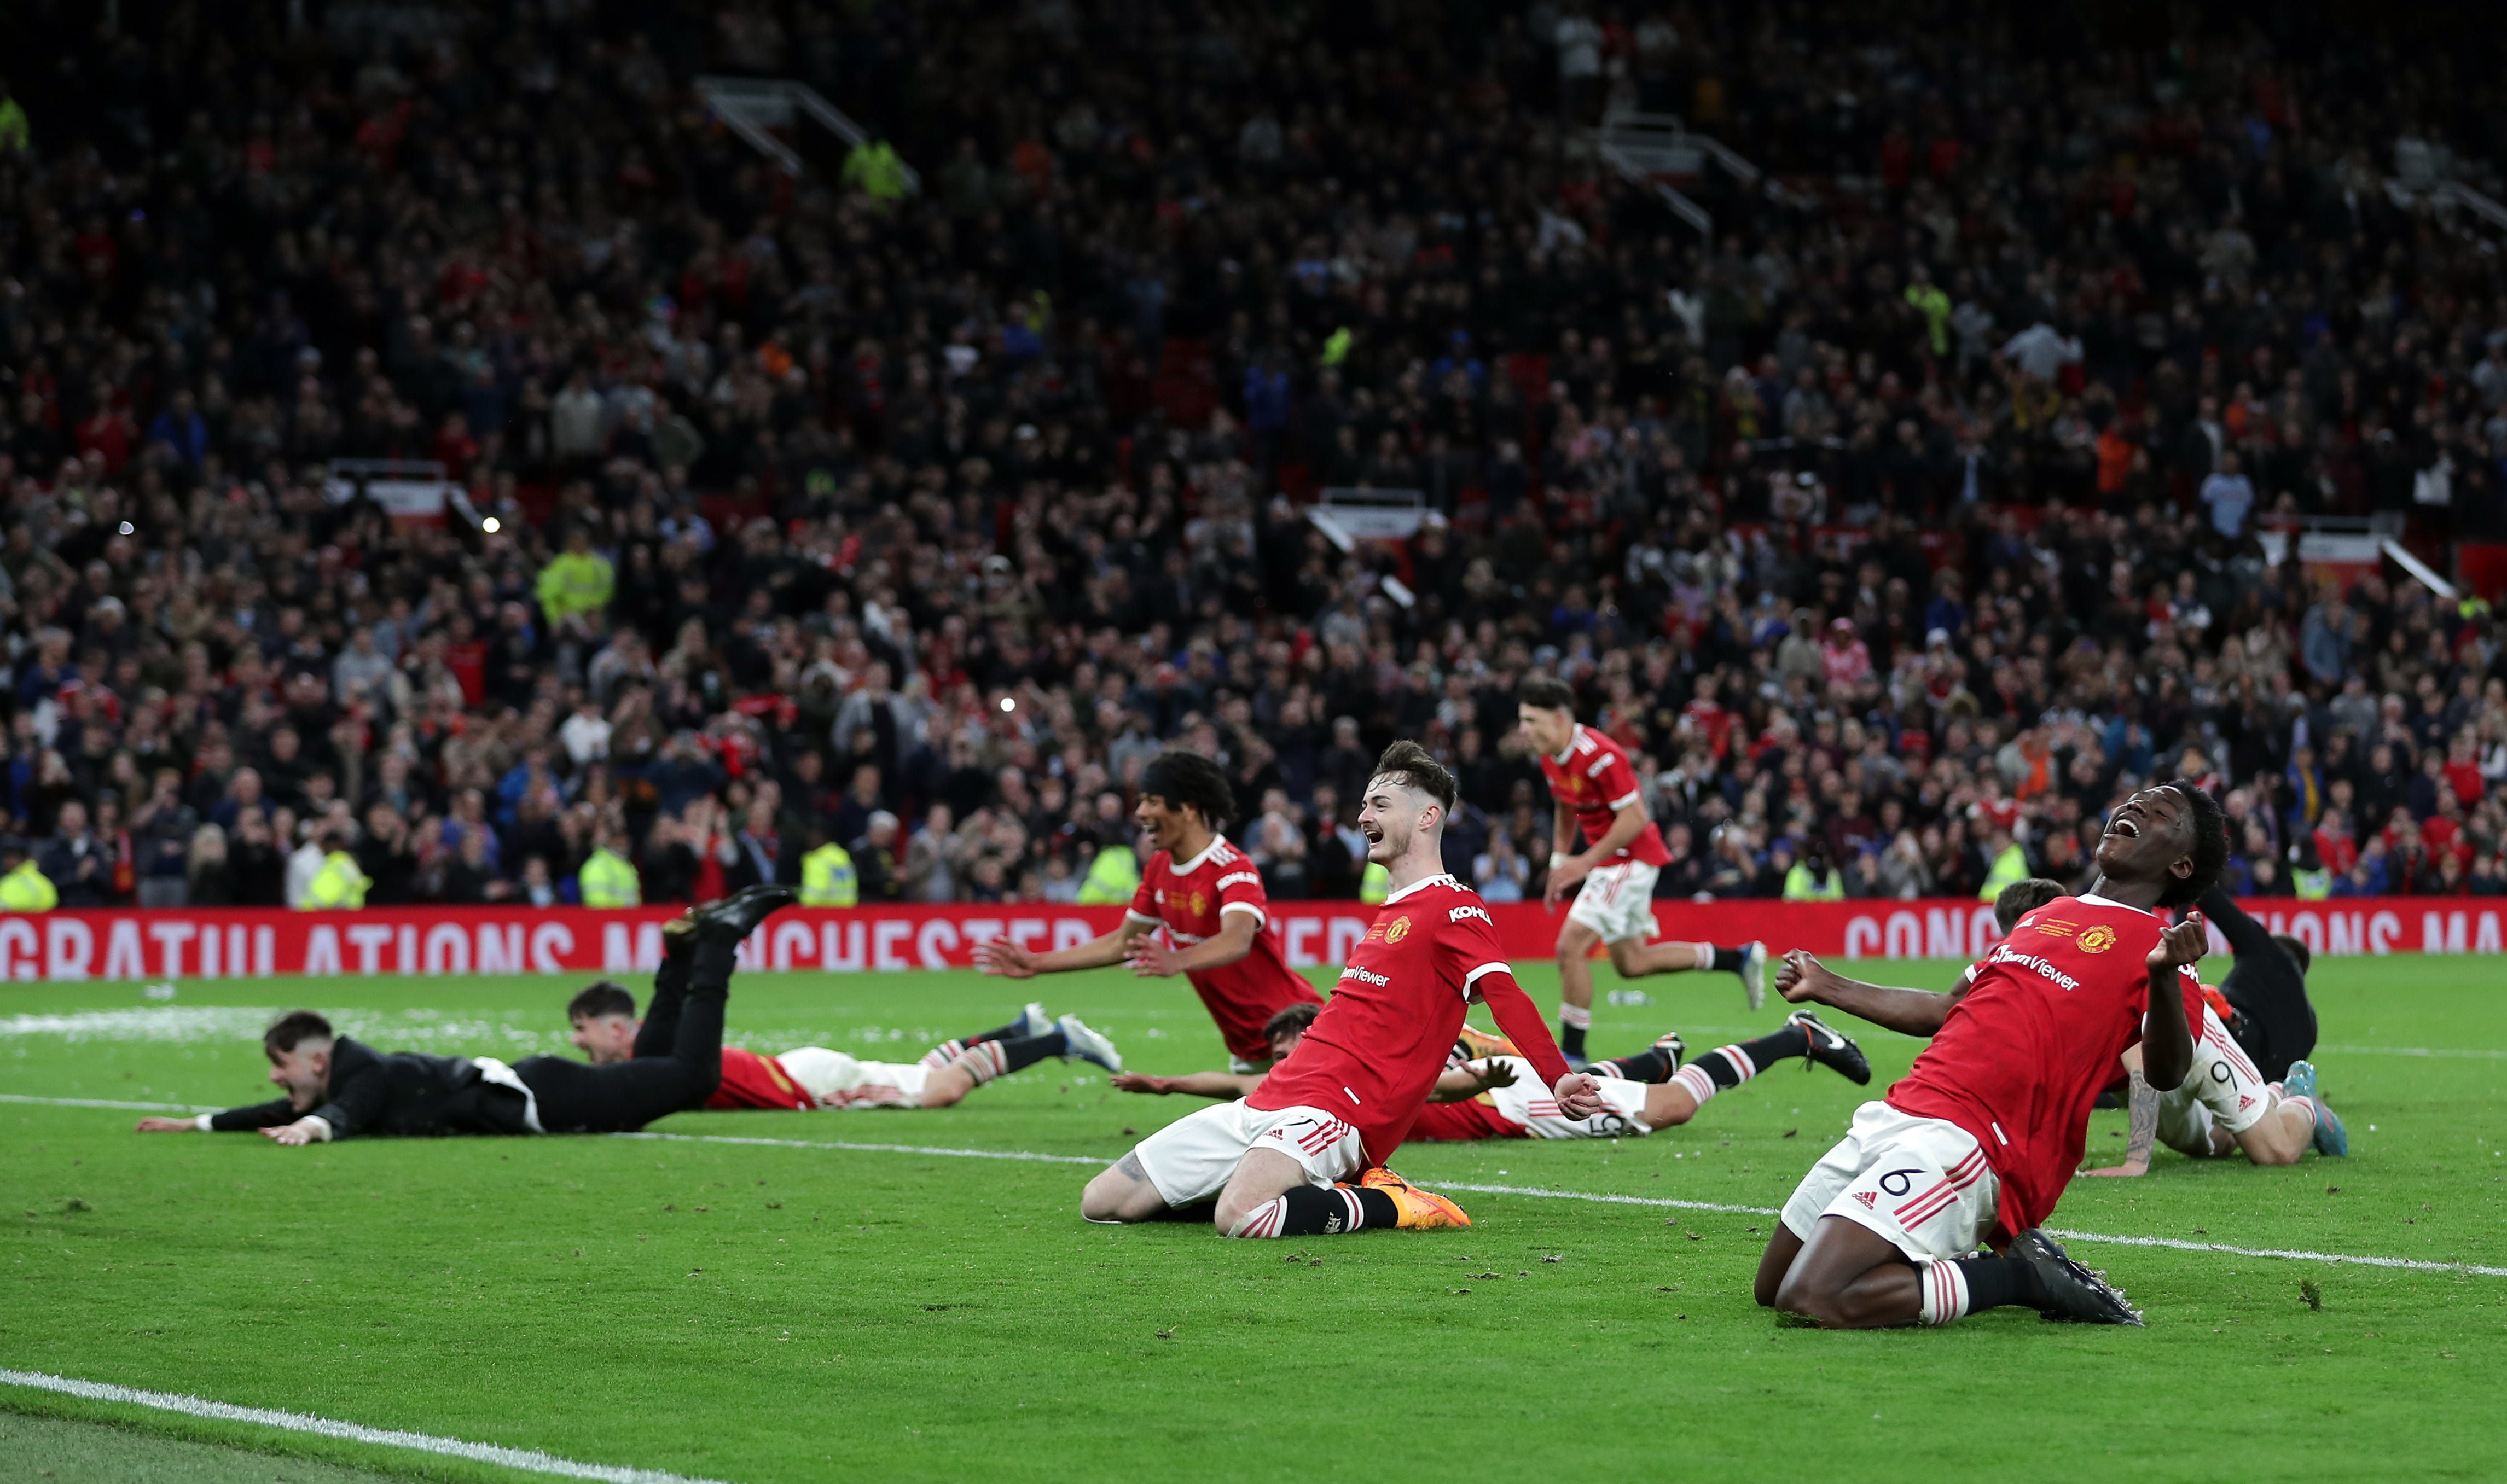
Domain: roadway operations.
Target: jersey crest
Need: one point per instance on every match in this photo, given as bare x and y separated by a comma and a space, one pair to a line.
1400, 929
2098, 940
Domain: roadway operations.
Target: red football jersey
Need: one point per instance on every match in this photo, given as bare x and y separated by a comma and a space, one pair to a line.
1374, 1053
750, 1080
2020, 1059
1191, 900
1594, 777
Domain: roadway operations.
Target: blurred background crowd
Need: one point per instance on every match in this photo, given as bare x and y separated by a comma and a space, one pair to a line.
909, 504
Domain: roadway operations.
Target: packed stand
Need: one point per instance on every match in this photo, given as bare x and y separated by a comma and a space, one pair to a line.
1895, 532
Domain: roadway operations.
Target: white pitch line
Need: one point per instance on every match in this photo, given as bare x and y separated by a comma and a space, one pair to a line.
144, 1107
1603, 1198
2417, 1050
528, 1459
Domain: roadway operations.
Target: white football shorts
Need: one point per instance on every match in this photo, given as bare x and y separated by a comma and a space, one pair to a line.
1921, 1183
2222, 1089
835, 1080
1192, 1158
1535, 1107
1617, 901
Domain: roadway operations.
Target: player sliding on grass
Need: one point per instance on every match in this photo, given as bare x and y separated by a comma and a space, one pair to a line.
1593, 785
2228, 1103
338, 1088
1487, 1092
1986, 1127
1345, 1097
1209, 898
811, 1077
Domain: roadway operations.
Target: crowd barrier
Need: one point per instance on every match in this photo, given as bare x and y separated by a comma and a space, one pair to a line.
176, 944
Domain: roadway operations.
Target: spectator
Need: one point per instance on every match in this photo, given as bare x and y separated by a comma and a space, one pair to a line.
161, 833
78, 864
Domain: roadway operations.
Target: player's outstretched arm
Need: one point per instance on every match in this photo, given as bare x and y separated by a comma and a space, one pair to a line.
1461, 1084
1153, 957
1911, 1012
1579, 1094
1199, 1084
1012, 960
2166, 1041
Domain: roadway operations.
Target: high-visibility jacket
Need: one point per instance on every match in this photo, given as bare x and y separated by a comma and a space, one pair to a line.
1801, 885
27, 890
2010, 868
575, 582
607, 880
828, 880
873, 168
1113, 878
338, 883
2311, 886
1374, 883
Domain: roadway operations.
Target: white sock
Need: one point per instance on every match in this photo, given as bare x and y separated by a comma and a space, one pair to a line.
2314, 1118
1575, 1017
1705, 954
1945, 1292
943, 1054
1694, 1078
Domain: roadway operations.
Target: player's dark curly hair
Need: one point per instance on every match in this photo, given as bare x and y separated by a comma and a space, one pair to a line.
602, 997
1190, 780
2210, 831
1295, 1018
1412, 766
2298, 953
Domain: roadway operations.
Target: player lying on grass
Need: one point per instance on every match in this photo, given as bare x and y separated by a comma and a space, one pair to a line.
1208, 899
2229, 1104
811, 1077
1982, 1134
1276, 1162
1593, 785
1487, 1089
339, 1088
2225, 1104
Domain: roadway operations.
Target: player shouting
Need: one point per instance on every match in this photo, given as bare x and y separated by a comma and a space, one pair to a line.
1345, 1097
1593, 787
1985, 1131
812, 1078
1486, 1091
1209, 899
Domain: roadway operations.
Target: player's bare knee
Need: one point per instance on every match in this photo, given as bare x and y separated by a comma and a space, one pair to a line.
1114, 1195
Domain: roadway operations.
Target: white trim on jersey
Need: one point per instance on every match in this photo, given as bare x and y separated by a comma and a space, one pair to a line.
1218, 843
1140, 916
1501, 967
1422, 885
1260, 916
1633, 795
1601, 765
2093, 899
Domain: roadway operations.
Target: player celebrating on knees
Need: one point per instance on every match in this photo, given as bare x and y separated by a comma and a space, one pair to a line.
1345, 1097
1988, 1126
1207, 897
1593, 785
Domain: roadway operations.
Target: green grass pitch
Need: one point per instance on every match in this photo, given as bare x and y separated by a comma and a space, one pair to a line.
753, 1313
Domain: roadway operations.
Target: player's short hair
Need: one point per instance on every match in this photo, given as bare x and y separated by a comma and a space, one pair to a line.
1547, 692
1297, 1018
2023, 897
2210, 830
1190, 779
2298, 951
602, 997
1412, 766
293, 1030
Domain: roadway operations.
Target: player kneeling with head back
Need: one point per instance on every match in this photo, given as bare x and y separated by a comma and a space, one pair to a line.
812, 1078
339, 1088
1278, 1162
1984, 1133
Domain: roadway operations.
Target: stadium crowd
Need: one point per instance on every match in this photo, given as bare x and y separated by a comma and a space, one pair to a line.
1897, 532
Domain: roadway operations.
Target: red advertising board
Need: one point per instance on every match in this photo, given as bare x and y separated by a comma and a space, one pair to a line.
177, 945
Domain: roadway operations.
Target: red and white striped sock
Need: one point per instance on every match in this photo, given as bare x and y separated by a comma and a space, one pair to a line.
1700, 1076
943, 1054
1944, 1288
2314, 1115
983, 1061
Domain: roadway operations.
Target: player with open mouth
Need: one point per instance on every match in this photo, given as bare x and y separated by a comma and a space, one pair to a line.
1980, 1138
